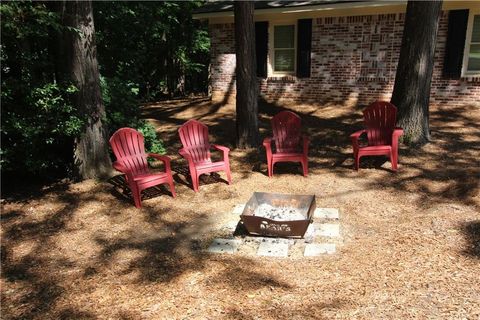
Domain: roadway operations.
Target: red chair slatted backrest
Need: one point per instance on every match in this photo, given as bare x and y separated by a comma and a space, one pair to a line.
380, 118
194, 137
286, 127
128, 146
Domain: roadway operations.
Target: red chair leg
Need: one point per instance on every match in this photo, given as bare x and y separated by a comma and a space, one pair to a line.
394, 160
269, 167
228, 172
172, 188
357, 161
195, 182
229, 175
137, 197
272, 165
305, 167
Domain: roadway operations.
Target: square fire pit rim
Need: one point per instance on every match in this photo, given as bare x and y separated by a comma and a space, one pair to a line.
256, 224
265, 197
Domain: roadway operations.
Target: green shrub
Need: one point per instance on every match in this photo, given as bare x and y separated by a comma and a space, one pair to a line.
38, 131
152, 143
122, 109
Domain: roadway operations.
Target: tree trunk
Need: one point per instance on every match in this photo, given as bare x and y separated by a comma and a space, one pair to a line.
246, 79
411, 92
91, 150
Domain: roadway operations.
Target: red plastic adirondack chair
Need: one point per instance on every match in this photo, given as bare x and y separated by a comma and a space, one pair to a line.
290, 145
196, 150
380, 118
128, 146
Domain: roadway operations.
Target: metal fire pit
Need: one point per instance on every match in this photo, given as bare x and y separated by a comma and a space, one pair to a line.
305, 204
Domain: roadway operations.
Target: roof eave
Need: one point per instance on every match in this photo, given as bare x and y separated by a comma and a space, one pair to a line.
312, 8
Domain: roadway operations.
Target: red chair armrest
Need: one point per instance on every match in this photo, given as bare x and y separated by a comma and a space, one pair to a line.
267, 142
121, 168
356, 135
166, 160
224, 149
184, 153
397, 132
221, 148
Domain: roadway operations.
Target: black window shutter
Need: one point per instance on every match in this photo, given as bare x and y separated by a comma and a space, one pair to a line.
261, 47
304, 47
457, 29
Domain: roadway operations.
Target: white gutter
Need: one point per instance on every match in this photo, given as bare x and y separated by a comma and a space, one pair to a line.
312, 8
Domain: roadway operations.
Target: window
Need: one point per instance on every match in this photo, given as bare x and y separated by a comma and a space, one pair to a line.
284, 48
472, 46
474, 52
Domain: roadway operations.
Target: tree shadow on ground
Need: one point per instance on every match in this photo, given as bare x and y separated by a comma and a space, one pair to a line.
170, 248
121, 190
471, 232
17, 189
451, 159
284, 311
45, 276
447, 168
44, 288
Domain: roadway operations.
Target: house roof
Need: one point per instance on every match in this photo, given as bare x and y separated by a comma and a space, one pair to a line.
216, 8
224, 6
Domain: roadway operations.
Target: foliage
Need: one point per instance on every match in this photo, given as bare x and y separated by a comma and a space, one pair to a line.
146, 51
156, 45
121, 105
152, 144
37, 136
38, 119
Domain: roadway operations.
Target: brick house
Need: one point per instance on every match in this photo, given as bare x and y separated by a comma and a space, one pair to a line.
343, 51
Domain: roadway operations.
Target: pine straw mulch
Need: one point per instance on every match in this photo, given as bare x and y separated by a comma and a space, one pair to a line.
410, 239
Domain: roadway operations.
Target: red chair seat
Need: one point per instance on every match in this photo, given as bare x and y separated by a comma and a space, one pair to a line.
196, 150
287, 156
375, 149
128, 146
211, 166
290, 145
150, 177
380, 118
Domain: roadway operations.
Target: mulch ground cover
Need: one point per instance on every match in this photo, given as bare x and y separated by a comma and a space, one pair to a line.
410, 240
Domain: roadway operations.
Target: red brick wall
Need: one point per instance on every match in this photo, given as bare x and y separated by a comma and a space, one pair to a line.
354, 60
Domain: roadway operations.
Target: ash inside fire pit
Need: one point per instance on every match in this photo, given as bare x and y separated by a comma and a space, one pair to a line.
266, 210
280, 215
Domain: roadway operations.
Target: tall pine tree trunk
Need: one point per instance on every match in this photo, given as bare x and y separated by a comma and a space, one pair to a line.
411, 92
246, 79
91, 149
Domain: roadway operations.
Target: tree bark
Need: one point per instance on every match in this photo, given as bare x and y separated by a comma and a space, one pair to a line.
411, 92
91, 158
246, 79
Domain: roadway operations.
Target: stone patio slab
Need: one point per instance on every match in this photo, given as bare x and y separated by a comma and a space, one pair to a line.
326, 213
310, 233
268, 249
238, 209
317, 249
231, 226
327, 230
224, 246
272, 240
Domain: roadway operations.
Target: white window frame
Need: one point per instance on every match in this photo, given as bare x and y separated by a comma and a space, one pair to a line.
271, 67
472, 73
